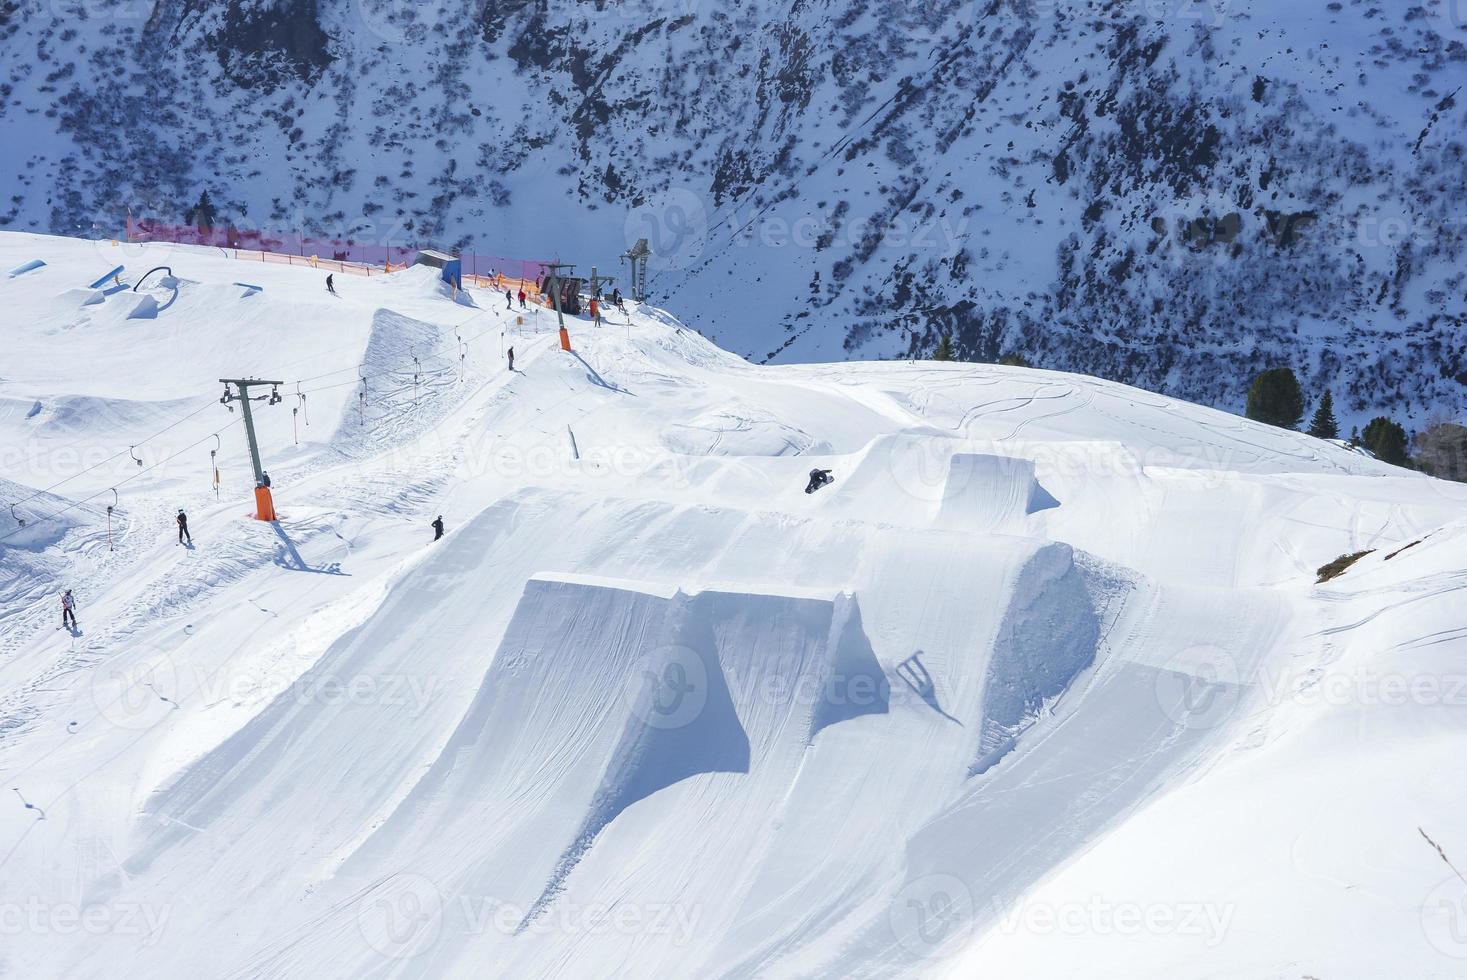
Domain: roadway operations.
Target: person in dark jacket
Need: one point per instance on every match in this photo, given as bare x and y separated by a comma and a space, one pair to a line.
508, 300
511, 358
438, 527
330, 284
183, 534
818, 479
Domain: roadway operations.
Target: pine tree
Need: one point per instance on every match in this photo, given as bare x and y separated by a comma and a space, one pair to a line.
1387, 440
944, 350
202, 216
1324, 424
1276, 398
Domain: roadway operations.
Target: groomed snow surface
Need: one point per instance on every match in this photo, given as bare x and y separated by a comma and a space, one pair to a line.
1042, 685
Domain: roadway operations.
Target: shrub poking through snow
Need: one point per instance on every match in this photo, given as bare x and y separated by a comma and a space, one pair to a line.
1337, 567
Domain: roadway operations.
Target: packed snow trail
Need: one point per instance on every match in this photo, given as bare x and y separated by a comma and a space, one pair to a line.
649, 708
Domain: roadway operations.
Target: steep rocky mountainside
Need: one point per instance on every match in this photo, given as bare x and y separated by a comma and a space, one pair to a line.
1171, 193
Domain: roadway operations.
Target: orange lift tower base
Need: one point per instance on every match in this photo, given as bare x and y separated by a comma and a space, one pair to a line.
264, 503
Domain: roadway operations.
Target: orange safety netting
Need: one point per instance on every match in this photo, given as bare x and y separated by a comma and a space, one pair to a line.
339, 255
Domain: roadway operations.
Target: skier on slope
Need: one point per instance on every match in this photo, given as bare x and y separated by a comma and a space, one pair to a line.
438, 527
818, 479
616, 300
183, 534
522, 297
511, 358
68, 610
508, 300
330, 284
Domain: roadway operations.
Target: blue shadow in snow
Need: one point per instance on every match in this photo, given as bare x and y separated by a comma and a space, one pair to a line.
596, 379
287, 556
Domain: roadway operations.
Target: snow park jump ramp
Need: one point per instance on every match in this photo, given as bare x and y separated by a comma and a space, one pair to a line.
940, 482
721, 755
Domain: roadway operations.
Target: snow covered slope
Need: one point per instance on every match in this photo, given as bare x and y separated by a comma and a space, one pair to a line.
1171, 193
1042, 682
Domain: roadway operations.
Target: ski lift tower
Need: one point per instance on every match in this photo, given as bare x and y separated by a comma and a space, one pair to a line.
598, 282
264, 505
552, 285
637, 256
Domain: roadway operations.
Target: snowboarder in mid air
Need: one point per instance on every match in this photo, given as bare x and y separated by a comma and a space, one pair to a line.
68, 610
330, 284
818, 479
438, 527
183, 534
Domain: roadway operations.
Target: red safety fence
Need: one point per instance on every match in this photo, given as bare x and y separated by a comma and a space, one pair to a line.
337, 254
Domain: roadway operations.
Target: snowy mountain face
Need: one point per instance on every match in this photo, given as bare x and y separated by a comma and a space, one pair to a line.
1170, 193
